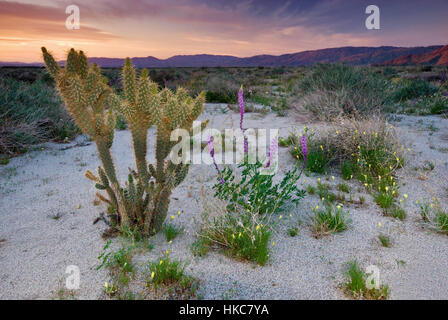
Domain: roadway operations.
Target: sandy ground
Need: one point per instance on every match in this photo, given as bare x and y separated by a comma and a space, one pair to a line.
47, 214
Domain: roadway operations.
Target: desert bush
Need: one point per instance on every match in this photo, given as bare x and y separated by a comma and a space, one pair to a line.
143, 201
334, 90
411, 89
31, 113
356, 284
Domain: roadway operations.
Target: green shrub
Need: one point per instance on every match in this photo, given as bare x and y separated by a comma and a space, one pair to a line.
220, 97
256, 192
348, 169
31, 113
332, 90
411, 89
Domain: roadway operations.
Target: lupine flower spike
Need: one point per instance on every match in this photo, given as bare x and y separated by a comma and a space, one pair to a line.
241, 105
272, 150
212, 154
304, 149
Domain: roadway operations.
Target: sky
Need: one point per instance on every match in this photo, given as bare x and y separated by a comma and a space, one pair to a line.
163, 28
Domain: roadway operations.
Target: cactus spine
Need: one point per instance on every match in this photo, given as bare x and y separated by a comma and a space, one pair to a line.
144, 199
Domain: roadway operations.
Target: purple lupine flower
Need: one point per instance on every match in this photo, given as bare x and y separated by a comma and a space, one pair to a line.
212, 154
304, 149
272, 150
241, 104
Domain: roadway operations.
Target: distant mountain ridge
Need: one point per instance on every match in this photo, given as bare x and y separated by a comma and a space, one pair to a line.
438, 57
350, 55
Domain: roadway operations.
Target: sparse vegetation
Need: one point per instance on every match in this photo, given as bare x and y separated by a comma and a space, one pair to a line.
434, 217
171, 231
29, 114
384, 240
333, 90
170, 274
329, 220
356, 286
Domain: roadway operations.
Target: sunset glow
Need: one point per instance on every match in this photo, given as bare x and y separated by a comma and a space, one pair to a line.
240, 28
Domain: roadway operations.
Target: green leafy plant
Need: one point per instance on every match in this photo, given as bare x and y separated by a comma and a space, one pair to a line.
256, 192
143, 201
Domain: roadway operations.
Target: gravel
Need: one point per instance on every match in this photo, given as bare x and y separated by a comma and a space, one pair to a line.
47, 214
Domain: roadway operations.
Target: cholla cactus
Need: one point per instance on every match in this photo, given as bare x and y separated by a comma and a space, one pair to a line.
143, 201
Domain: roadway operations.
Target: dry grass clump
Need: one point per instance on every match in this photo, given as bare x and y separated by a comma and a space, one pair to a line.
334, 90
30, 113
